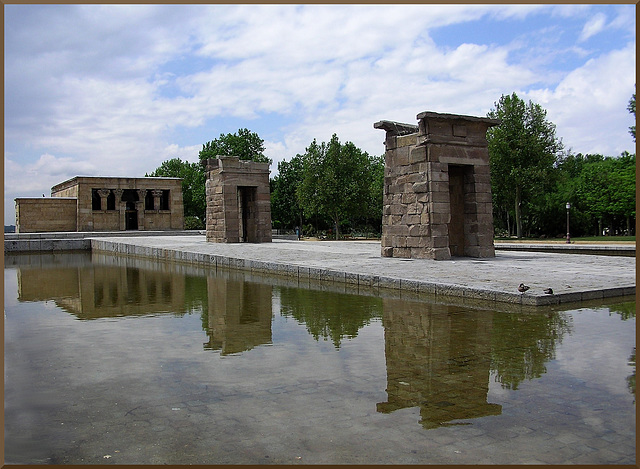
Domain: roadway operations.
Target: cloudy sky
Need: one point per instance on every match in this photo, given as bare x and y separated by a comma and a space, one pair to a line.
115, 90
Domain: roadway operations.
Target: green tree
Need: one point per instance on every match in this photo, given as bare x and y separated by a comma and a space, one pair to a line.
376, 189
244, 144
522, 344
329, 315
566, 178
522, 151
632, 109
193, 188
606, 191
336, 181
285, 209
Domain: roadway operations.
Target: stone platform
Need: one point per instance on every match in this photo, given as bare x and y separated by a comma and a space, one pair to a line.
359, 266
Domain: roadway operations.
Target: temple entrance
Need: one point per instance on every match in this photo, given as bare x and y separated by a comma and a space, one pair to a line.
130, 197
131, 220
456, 201
247, 214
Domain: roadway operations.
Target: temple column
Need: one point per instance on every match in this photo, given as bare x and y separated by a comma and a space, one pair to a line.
157, 194
103, 193
121, 207
140, 207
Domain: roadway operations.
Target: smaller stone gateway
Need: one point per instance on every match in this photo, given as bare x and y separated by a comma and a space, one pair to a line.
238, 201
437, 188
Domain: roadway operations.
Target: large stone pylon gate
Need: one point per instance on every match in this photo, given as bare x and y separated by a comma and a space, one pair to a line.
238, 201
437, 188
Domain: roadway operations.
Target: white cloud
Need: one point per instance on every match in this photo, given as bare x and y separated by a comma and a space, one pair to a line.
589, 104
593, 26
48, 169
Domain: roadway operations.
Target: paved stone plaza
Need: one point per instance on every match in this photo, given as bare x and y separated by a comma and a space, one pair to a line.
358, 264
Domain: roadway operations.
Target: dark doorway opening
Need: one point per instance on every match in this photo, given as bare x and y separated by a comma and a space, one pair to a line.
456, 203
130, 197
247, 214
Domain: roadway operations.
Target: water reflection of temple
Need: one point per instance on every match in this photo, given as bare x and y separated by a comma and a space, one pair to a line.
236, 314
438, 359
96, 291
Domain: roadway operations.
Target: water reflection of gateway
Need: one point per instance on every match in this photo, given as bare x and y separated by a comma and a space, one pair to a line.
437, 360
239, 315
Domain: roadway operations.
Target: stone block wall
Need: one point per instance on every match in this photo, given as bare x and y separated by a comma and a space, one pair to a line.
437, 188
44, 214
238, 201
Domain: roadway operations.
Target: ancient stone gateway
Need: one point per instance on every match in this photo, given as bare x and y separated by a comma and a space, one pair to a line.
437, 188
238, 201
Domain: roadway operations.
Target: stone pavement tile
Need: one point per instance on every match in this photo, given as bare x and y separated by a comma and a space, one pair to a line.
568, 438
603, 456
444, 438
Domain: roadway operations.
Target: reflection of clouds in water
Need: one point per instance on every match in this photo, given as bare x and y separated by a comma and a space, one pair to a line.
598, 349
497, 392
10, 287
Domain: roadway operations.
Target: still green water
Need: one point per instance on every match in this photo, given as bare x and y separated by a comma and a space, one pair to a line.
113, 360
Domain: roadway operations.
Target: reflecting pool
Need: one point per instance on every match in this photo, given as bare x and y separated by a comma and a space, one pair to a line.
114, 360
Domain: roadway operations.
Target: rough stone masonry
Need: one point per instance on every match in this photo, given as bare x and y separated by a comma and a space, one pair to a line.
437, 188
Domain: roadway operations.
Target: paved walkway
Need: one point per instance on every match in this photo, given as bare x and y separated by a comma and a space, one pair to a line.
573, 277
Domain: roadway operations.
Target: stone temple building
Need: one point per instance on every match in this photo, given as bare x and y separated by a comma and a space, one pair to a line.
437, 188
104, 204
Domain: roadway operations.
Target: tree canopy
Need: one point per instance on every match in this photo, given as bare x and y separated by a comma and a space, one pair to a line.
632, 109
285, 209
605, 190
244, 144
336, 181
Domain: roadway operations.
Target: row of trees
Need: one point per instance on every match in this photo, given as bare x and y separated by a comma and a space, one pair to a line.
332, 184
336, 186
533, 177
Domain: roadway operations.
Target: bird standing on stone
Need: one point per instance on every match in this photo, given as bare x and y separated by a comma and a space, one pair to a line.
548, 291
522, 288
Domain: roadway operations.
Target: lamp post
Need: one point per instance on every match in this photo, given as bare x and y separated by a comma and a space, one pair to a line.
568, 235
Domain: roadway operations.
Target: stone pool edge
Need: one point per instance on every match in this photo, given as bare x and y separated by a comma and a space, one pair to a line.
307, 274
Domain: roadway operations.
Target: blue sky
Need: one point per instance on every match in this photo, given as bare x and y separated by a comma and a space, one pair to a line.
114, 90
